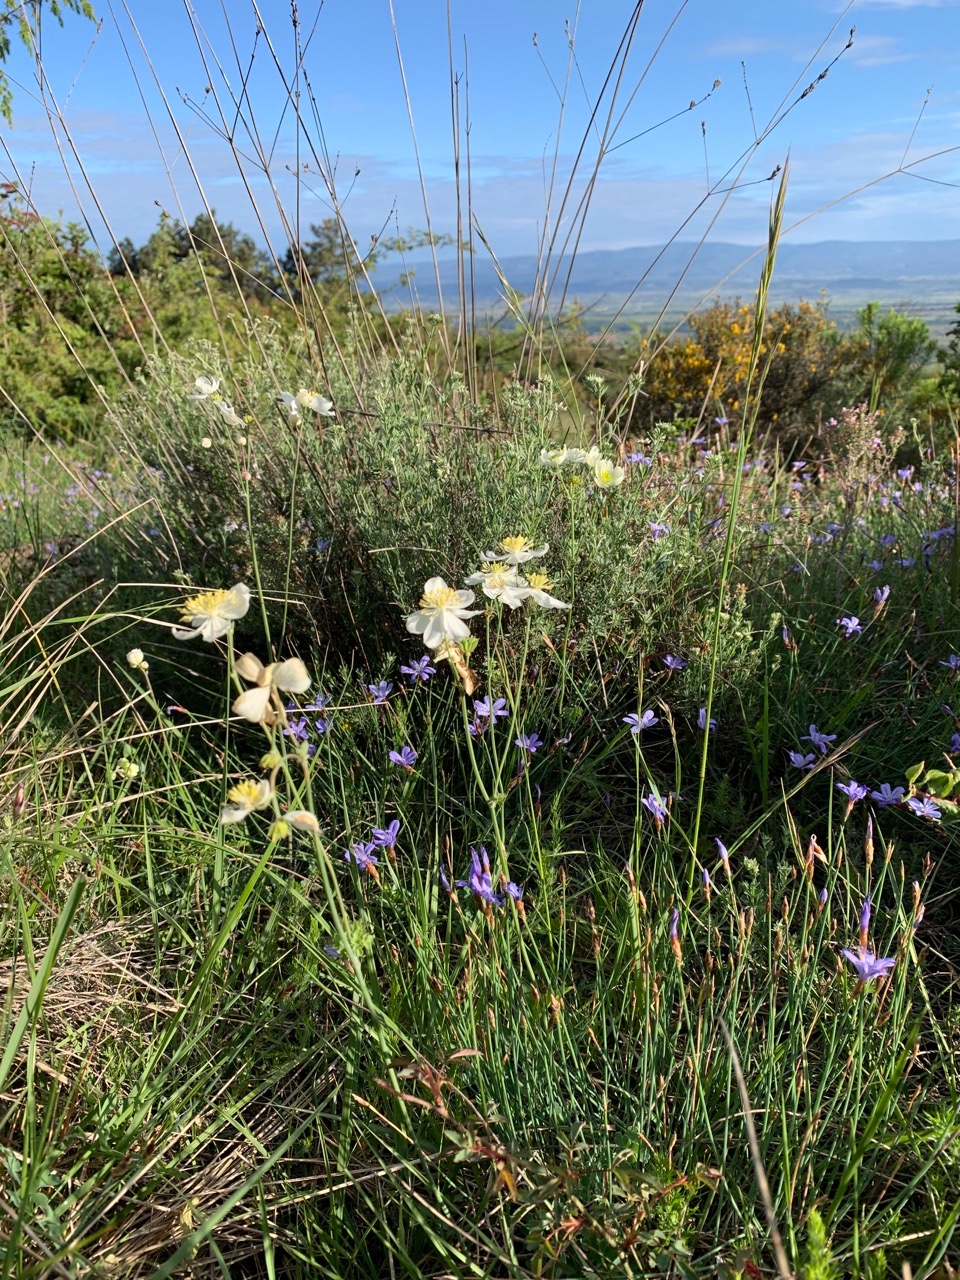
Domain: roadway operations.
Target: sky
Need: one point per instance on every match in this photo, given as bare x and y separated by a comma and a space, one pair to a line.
166, 105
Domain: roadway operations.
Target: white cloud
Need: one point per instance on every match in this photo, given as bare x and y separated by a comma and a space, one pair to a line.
879, 51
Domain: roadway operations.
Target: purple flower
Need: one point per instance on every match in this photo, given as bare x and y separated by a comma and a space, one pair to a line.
702, 720
820, 740
297, 729
421, 670
528, 742
954, 743
905, 472
888, 539
865, 913
380, 692
406, 757
953, 662
906, 562
802, 762
924, 808
851, 626
887, 795
822, 899
659, 530
674, 921
867, 964
385, 837
320, 703
707, 882
721, 421
362, 854
479, 880
673, 663
482, 707
639, 459
722, 850
656, 807
514, 890
638, 723
881, 594
875, 565
852, 790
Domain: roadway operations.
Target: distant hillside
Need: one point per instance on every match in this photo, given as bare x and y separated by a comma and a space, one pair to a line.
921, 277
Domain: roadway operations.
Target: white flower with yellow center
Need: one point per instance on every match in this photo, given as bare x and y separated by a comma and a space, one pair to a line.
537, 587
206, 387
515, 551
558, 458
607, 474
244, 798
212, 613
441, 614
498, 581
254, 705
315, 401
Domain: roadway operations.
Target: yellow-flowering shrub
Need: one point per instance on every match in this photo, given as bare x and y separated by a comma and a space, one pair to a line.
705, 375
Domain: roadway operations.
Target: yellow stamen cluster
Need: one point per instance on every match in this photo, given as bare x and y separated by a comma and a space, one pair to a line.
203, 605
540, 581
247, 794
513, 545
440, 598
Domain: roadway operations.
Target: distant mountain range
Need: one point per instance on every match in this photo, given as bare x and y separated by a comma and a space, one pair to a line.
920, 277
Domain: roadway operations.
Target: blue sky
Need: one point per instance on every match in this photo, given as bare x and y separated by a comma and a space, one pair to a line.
132, 100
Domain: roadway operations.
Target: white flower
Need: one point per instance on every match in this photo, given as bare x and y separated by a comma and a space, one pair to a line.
536, 587
244, 798
441, 613
607, 474
127, 770
135, 659
230, 416
498, 582
315, 401
561, 457
290, 676
206, 443
515, 551
291, 404
592, 456
206, 387
213, 613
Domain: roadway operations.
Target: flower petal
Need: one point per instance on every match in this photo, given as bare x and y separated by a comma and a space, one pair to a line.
291, 676
252, 705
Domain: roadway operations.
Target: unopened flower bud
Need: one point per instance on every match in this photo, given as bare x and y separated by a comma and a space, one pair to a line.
136, 660
303, 820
